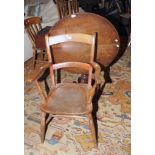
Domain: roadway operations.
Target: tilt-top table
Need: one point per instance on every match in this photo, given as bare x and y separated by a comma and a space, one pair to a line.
108, 38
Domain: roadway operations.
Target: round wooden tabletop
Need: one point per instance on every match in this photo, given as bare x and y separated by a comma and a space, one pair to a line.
108, 38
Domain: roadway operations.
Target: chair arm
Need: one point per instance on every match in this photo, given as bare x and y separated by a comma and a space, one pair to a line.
36, 73
41, 70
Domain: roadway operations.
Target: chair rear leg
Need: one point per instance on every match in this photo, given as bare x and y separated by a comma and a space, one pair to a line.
42, 126
43, 54
92, 128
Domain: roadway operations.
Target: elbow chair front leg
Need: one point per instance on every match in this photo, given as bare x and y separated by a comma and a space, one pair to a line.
98, 80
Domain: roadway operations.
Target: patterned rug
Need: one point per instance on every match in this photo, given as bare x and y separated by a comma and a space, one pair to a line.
71, 136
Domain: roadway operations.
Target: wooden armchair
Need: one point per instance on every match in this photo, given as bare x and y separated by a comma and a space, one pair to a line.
32, 27
70, 99
67, 98
67, 7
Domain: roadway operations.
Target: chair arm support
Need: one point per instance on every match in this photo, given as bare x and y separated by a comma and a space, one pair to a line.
98, 79
98, 76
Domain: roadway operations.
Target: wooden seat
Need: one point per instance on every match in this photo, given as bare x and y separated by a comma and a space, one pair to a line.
66, 98
58, 103
67, 7
32, 27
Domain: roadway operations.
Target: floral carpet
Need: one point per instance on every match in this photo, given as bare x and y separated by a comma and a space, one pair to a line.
71, 136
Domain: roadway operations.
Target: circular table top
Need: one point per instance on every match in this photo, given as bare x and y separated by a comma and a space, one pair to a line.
108, 38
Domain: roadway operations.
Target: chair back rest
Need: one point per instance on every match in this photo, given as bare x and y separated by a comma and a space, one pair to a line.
87, 67
71, 37
67, 7
32, 26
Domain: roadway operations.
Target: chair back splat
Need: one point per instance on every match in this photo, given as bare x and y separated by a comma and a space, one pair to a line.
32, 27
71, 37
67, 7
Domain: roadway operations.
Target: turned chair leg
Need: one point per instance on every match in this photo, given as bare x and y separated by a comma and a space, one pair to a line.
92, 128
43, 124
34, 58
